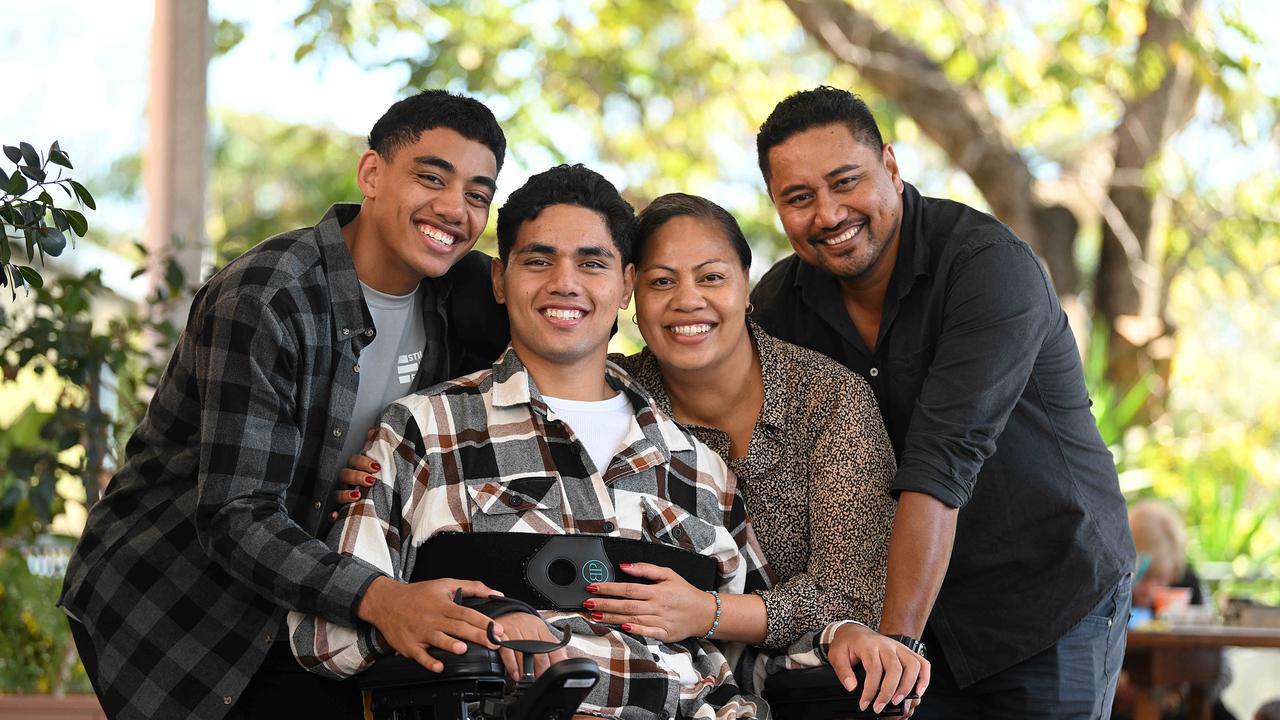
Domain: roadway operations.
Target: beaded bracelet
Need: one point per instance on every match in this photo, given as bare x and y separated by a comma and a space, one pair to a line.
715, 623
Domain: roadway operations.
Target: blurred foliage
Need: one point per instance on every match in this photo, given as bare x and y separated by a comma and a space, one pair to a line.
1216, 452
29, 212
104, 378
269, 177
36, 651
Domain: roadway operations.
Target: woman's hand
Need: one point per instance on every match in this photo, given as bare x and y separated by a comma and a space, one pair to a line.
357, 475
669, 610
892, 670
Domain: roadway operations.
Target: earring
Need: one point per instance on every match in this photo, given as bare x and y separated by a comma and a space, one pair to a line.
635, 320
750, 308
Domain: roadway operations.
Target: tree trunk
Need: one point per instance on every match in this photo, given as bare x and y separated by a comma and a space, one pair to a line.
1128, 293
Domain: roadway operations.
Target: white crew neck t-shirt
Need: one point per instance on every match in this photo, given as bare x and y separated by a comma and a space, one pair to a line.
600, 425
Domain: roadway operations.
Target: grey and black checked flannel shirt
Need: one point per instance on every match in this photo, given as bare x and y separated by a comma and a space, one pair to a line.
484, 453
206, 537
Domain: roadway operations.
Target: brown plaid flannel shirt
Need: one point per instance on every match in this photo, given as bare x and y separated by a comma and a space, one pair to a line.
454, 456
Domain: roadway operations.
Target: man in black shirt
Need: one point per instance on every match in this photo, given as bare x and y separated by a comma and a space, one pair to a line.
1011, 537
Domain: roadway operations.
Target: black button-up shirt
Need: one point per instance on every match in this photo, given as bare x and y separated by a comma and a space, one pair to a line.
980, 383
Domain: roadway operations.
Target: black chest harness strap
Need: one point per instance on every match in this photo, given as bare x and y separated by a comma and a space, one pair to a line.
551, 572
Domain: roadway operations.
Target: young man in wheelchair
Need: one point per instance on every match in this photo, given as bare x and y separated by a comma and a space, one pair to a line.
552, 441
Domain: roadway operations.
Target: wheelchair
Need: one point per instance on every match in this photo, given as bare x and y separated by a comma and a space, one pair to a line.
473, 686
553, 571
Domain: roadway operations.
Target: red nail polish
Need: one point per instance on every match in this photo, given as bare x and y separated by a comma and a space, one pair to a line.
369, 479
376, 467
626, 627
355, 494
589, 604
597, 616
593, 588
624, 566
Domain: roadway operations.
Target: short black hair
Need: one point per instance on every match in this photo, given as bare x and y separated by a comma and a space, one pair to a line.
807, 109
404, 121
567, 185
668, 207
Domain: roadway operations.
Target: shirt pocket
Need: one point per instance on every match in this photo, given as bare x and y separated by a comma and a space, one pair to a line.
669, 524
498, 504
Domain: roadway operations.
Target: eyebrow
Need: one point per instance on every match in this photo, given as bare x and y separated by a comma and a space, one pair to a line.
699, 266
439, 162
833, 173
544, 249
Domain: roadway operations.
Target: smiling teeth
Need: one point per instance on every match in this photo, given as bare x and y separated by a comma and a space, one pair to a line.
846, 235
690, 330
559, 314
439, 236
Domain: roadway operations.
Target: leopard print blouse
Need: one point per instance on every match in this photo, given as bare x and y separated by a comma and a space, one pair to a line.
815, 479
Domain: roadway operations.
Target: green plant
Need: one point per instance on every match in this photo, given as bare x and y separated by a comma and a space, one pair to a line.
36, 652
79, 437
1115, 409
28, 211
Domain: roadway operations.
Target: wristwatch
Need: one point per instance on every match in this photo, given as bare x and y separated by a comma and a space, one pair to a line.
912, 644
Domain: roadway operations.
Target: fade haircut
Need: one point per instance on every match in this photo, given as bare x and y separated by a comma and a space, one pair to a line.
404, 121
807, 109
567, 185
673, 205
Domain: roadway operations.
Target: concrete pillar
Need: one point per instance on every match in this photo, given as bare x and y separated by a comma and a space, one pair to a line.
175, 158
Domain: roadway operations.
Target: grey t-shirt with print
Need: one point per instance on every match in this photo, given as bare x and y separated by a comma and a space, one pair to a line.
389, 364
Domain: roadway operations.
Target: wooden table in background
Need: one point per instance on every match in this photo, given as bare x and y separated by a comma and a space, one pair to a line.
1192, 654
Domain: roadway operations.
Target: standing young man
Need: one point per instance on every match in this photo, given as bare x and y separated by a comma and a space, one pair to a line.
206, 537
1010, 537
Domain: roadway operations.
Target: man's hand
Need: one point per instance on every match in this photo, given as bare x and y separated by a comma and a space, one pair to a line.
415, 616
526, 626
669, 610
892, 669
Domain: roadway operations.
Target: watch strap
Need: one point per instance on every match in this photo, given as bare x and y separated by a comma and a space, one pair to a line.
914, 645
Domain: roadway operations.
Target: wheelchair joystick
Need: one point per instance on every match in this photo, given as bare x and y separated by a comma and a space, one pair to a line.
528, 648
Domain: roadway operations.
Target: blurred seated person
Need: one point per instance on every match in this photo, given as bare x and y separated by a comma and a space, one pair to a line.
1161, 541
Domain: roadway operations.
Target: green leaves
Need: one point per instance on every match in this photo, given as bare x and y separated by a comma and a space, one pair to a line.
83, 195
58, 157
38, 221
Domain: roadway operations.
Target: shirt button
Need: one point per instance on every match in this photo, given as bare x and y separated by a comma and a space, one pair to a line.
337, 432
357, 367
678, 532
316, 505
226, 699
609, 527
875, 372
368, 333
346, 332
268, 638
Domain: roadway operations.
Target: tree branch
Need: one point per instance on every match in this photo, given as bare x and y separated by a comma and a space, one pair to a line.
955, 117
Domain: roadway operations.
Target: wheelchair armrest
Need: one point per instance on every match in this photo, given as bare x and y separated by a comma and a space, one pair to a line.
398, 671
815, 693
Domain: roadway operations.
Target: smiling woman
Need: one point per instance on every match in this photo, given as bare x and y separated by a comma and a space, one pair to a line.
802, 434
